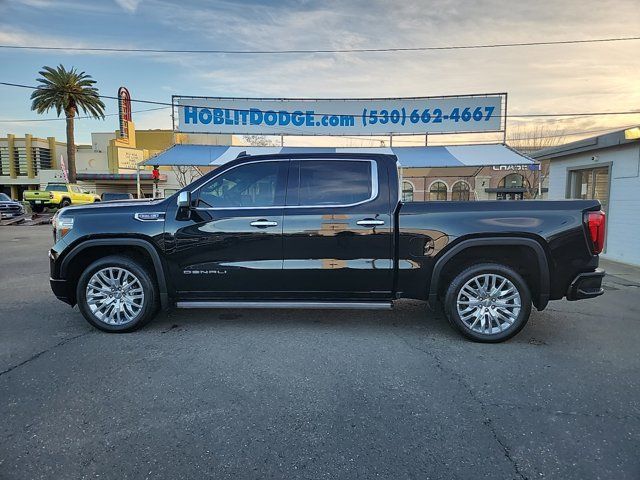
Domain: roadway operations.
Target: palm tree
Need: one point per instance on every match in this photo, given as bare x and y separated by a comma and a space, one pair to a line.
67, 91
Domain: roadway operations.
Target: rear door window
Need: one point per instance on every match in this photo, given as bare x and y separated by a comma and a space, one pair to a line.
334, 182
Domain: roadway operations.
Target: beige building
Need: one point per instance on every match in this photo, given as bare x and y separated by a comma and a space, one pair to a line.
24, 159
107, 165
497, 182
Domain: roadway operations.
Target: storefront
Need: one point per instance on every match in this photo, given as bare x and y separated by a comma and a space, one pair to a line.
605, 168
495, 182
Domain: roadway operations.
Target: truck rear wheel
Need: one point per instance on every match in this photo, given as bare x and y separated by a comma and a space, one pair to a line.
488, 302
65, 203
117, 294
37, 208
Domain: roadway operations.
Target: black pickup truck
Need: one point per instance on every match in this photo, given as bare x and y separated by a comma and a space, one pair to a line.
324, 231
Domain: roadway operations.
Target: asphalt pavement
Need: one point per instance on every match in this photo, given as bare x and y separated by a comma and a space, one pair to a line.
312, 394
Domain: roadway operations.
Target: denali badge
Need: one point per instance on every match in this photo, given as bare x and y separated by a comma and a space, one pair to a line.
205, 272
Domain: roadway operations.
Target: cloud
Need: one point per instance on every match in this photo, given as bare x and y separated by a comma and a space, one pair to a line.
60, 5
128, 5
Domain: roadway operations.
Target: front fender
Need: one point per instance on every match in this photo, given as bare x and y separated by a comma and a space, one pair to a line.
122, 241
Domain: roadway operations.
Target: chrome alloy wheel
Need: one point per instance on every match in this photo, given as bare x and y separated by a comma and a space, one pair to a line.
488, 303
115, 296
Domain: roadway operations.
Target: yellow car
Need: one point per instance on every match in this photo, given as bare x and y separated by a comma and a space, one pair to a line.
58, 195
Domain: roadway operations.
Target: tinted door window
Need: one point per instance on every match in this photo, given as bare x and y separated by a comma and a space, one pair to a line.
260, 184
331, 182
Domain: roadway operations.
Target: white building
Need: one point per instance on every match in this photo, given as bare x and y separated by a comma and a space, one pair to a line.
606, 168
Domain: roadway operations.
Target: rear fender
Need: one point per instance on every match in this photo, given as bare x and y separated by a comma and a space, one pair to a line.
543, 265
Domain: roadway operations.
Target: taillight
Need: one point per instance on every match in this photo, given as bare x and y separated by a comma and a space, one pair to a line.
596, 224
50, 194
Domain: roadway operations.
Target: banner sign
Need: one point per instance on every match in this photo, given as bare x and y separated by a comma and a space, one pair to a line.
63, 167
460, 114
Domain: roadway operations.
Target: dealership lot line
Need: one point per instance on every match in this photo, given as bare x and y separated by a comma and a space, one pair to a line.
311, 394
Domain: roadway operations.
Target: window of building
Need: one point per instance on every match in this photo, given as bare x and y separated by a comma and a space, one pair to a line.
407, 192
589, 184
259, 184
334, 182
4, 161
42, 159
20, 160
513, 180
460, 191
438, 191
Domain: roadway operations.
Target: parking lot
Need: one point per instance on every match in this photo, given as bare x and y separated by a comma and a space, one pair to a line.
311, 394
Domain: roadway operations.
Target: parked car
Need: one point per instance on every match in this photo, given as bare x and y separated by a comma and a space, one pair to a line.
10, 208
108, 196
324, 231
58, 195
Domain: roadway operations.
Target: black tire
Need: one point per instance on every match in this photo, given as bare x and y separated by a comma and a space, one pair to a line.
37, 208
65, 203
149, 304
451, 303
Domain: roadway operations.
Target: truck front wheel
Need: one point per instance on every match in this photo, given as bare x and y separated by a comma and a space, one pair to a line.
488, 302
117, 294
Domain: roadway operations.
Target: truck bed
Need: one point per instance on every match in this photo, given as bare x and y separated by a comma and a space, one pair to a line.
427, 229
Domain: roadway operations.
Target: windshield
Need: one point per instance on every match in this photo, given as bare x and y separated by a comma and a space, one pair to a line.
52, 187
4, 197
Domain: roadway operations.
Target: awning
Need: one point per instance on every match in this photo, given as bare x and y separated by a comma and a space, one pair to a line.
453, 156
123, 177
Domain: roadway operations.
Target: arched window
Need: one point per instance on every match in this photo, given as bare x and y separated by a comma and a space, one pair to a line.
407, 192
460, 191
513, 180
438, 191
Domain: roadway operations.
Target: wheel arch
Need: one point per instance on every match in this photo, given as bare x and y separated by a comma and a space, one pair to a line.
146, 246
541, 298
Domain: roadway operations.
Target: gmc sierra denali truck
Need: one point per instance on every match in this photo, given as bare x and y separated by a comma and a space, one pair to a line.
324, 231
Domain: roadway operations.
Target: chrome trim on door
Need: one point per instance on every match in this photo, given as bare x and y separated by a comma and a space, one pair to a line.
263, 223
291, 304
370, 223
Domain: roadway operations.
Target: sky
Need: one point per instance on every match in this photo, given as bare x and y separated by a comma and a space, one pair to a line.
542, 79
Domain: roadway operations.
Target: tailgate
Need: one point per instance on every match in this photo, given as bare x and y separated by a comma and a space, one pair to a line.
36, 195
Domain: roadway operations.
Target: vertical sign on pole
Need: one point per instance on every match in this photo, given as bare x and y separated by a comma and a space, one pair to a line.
63, 167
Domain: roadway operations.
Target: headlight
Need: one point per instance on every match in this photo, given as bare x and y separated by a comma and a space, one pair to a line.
61, 226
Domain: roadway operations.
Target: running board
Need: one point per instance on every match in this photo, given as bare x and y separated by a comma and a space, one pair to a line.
290, 304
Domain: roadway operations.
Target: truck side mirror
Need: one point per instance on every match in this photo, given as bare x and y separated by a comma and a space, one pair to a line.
184, 199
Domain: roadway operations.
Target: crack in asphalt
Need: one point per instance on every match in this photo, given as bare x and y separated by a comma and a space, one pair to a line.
460, 379
39, 354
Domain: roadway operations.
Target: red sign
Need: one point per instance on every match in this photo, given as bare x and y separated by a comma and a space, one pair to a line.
124, 111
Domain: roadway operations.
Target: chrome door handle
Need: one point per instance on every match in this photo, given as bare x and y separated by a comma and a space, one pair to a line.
370, 222
263, 223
